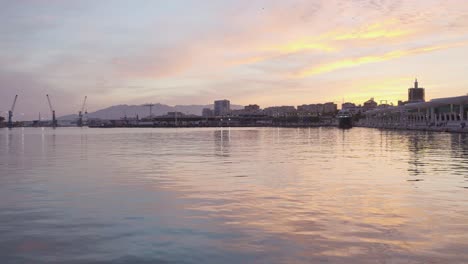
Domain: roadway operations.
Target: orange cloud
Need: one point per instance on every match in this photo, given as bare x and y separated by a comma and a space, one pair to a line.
330, 41
353, 62
278, 51
389, 89
302, 45
382, 33
385, 29
249, 60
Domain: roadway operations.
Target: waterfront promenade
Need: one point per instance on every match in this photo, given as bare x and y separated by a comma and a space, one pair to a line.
443, 114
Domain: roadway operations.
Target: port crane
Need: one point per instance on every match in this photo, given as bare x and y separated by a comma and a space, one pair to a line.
54, 121
82, 112
10, 113
150, 105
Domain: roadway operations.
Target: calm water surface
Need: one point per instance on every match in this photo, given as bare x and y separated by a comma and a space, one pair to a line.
256, 195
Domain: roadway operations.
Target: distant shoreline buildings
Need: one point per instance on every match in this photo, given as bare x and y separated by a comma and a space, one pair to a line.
438, 114
442, 114
446, 114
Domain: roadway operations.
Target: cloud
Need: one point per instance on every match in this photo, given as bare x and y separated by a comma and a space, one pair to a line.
163, 63
353, 62
336, 40
386, 29
116, 53
300, 46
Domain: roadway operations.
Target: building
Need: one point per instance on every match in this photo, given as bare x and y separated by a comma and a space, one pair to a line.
442, 114
416, 94
280, 111
222, 107
330, 108
174, 114
347, 106
252, 108
310, 109
207, 112
351, 107
369, 105
248, 111
317, 109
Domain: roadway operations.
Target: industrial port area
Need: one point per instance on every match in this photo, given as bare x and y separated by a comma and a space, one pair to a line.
441, 114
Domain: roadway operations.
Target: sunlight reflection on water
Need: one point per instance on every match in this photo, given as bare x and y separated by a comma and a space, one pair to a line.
263, 195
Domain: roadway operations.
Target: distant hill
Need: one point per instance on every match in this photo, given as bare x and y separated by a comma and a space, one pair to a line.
120, 111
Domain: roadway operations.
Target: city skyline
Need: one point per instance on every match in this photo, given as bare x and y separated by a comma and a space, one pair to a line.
263, 52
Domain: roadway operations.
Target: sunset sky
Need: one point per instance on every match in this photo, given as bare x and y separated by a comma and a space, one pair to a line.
193, 52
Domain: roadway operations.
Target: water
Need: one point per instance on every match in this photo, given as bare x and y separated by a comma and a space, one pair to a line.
243, 195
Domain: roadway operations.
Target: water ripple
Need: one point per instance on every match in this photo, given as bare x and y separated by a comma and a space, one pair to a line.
243, 195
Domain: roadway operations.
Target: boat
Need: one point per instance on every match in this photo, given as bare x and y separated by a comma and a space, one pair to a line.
345, 119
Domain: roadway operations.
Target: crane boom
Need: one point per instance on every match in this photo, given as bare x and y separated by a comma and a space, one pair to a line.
50, 104
80, 113
54, 121
10, 113
14, 104
150, 105
84, 104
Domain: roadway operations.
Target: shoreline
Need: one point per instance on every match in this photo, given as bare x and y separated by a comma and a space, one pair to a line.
440, 129
451, 128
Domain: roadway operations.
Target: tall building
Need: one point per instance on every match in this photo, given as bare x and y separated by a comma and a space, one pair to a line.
222, 107
416, 94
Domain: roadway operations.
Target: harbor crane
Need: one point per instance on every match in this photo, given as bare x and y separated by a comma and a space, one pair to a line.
54, 121
10, 113
82, 112
150, 105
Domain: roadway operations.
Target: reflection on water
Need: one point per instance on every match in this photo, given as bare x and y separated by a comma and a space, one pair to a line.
221, 140
233, 195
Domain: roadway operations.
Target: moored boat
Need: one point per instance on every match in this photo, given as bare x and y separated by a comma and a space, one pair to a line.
345, 119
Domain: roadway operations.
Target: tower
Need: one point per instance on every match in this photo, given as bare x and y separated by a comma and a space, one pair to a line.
416, 94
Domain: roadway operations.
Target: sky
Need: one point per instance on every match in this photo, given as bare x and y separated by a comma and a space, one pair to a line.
269, 52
